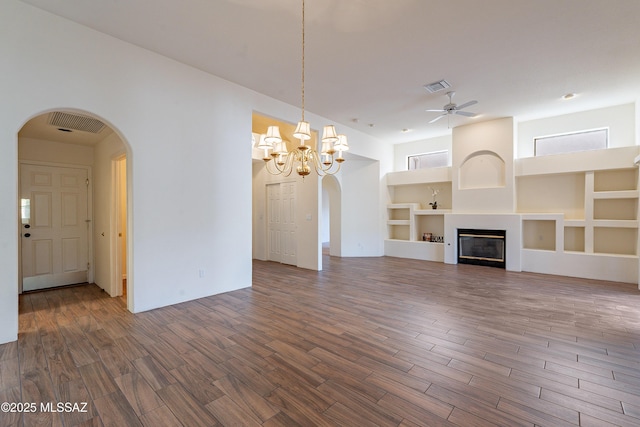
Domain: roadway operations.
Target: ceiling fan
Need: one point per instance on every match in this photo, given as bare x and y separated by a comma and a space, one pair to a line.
452, 108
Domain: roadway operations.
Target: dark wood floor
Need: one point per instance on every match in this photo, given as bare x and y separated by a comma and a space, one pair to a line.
368, 341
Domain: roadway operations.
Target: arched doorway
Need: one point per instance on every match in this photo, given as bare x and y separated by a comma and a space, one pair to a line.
55, 143
331, 231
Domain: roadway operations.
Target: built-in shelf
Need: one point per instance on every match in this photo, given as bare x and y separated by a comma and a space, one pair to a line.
411, 217
431, 211
598, 206
624, 194
398, 222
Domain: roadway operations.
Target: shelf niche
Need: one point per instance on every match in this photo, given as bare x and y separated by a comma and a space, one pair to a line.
574, 239
616, 241
433, 224
539, 234
551, 194
615, 209
615, 180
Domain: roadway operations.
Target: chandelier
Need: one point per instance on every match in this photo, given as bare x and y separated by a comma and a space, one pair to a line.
303, 158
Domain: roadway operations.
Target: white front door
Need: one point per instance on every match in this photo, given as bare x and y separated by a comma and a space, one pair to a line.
54, 226
281, 222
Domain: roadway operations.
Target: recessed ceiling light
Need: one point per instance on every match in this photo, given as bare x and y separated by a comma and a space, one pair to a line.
569, 96
405, 130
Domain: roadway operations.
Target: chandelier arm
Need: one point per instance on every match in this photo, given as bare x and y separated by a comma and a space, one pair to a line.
269, 169
322, 169
273, 170
287, 167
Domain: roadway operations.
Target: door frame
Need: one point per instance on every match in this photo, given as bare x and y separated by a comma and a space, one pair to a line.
116, 208
90, 249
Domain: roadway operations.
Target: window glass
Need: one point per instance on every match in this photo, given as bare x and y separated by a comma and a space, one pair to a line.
571, 142
434, 159
25, 210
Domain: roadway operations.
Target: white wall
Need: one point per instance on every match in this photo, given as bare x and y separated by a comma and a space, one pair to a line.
259, 213
325, 223
620, 119
55, 152
402, 151
361, 213
174, 118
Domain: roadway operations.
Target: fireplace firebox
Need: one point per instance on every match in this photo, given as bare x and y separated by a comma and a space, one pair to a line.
482, 247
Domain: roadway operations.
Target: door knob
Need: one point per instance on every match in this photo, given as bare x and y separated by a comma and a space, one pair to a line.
27, 234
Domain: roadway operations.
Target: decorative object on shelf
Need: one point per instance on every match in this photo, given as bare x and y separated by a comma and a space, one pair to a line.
303, 156
434, 193
426, 237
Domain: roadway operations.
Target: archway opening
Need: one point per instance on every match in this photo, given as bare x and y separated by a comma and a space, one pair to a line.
68, 181
331, 228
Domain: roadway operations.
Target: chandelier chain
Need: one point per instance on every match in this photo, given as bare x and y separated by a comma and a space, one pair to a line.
302, 60
322, 160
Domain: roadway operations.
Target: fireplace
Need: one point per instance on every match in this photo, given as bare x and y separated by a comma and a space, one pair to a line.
482, 247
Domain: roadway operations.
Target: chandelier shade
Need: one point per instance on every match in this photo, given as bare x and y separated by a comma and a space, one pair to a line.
273, 135
303, 131
329, 134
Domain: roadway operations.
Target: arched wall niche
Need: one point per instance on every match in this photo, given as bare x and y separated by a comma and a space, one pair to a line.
482, 169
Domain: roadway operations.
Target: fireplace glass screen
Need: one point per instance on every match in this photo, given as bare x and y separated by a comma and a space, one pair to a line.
483, 247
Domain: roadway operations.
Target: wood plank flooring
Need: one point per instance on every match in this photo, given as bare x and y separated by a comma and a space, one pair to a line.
366, 342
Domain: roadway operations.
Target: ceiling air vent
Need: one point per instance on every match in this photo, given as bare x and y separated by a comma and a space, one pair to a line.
437, 86
75, 122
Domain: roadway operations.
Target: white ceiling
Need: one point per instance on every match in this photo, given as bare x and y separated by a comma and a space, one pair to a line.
369, 59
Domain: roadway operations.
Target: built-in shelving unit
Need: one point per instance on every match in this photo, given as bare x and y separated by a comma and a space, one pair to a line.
589, 212
606, 223
579, 214
410, 216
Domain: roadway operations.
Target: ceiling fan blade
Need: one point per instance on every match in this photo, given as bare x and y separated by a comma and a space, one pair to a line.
465, 113
466, 104
436, 111
438, 118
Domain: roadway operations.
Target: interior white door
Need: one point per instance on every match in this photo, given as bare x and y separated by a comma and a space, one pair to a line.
273, 221
54, 226
288, 223
281, 222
